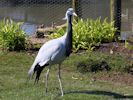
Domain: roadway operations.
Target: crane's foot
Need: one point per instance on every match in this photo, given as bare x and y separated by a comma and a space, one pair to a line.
46, 93
62, 93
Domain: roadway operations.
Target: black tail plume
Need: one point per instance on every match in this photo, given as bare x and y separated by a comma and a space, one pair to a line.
38, 69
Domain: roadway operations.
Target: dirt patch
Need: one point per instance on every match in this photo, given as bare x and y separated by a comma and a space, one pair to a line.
32, 39
117, 77
115, 47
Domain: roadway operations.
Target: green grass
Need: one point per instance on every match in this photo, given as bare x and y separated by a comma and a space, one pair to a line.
13, 73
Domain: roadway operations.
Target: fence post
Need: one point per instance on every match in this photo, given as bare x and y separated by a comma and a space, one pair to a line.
77, 7
116, 15
112, 10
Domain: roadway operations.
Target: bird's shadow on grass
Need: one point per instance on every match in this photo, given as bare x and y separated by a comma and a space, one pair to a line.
104, 93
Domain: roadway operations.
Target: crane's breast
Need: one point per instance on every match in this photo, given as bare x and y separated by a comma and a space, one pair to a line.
53, 52
59, 55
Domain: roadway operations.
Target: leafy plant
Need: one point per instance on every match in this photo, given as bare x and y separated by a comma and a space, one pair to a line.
98, 61
58, 33
89, 33
11, 36
129, 43
91, 65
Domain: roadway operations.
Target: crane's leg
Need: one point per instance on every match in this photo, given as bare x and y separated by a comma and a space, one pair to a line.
46, 82
59, 78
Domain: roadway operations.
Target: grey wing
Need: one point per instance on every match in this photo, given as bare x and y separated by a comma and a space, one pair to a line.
59, 55
50, 53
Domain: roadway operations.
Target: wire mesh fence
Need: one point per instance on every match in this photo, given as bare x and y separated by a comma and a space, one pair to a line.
35, 11
95, 8
127, 19
48, 12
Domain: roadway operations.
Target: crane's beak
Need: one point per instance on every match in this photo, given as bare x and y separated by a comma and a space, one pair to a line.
65, 18
74, 14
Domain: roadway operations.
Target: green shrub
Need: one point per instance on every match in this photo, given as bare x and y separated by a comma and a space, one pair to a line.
89, 33
129, 68
91, 65
58, 33
11, 36
98, 61
129, 43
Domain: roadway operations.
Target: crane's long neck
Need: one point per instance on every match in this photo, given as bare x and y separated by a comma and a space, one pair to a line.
69, 36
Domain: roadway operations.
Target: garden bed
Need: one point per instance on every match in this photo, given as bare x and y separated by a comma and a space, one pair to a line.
116, 77
112, 47
115, 47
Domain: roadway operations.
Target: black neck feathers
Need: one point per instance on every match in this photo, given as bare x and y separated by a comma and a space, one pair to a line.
69, 36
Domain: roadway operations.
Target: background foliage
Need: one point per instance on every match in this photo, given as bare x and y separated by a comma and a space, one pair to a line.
11, 36
89, 33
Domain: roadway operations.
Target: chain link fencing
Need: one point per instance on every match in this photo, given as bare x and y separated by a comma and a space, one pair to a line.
48, 12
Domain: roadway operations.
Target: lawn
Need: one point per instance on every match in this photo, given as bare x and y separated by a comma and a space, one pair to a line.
77, 86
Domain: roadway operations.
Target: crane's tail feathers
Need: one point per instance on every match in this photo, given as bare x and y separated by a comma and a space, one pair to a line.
31, 71
38, 69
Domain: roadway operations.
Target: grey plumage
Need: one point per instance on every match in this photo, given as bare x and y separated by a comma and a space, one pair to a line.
54, 52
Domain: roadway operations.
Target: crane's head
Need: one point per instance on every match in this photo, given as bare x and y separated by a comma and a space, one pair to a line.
71, 12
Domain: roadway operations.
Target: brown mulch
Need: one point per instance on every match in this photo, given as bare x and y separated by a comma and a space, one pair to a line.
117, 77
115, 47
33, 40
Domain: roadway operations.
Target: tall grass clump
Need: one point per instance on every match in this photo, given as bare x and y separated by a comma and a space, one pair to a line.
87, 34
12, 37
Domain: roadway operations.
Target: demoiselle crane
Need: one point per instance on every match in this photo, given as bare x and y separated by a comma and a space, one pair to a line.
54, 52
